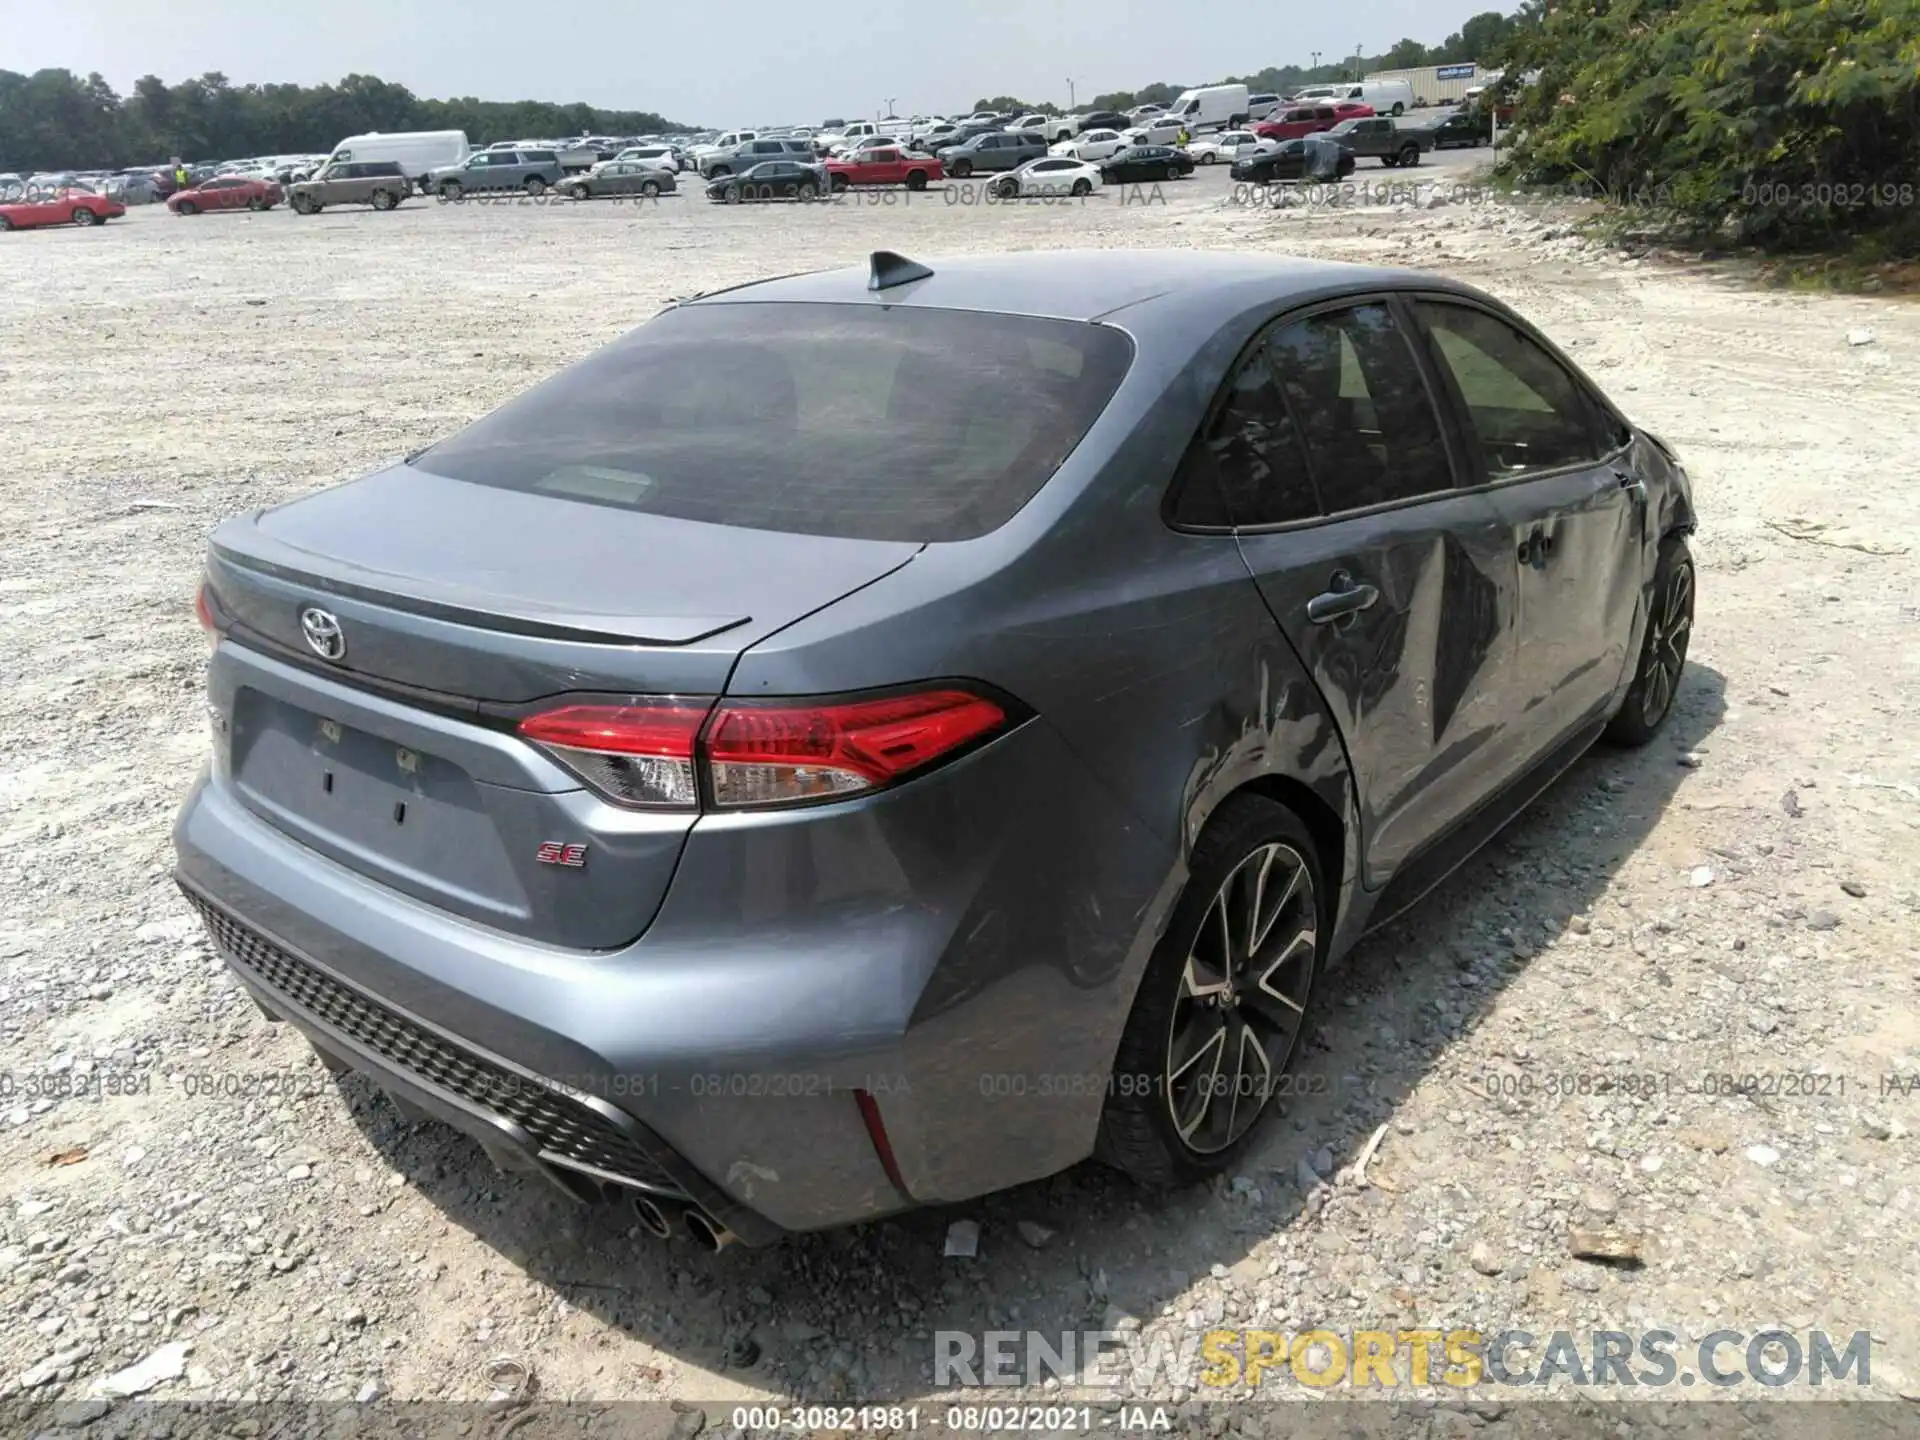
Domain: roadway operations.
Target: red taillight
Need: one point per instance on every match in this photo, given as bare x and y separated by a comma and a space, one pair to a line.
781, 753
639, 754
203, 612
650, 753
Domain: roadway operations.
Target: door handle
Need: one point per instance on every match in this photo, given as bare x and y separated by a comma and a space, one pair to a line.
1343, 598
1634, 486
1535, 549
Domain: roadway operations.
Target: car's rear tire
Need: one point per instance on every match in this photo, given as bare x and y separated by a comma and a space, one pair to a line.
83, 216
258, 202
1663, 650
535, 186
650, 189
1409, 155
1224, 1006
5, 224
916, 180
385, 199
961, 169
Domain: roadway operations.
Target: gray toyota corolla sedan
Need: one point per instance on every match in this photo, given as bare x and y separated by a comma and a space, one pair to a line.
870, 738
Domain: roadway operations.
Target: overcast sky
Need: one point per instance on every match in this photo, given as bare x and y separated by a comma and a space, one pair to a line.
719, 62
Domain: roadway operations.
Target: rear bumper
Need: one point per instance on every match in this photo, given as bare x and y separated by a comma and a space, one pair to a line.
962, 953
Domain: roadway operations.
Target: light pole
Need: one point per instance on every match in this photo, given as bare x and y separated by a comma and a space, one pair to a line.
1071, 103
1316, 60
1358, 66
889, 110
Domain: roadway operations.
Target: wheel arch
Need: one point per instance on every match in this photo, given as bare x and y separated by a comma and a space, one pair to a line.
1328, 829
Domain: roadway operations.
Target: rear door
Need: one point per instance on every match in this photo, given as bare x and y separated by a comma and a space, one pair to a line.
1394, 586
1552, 463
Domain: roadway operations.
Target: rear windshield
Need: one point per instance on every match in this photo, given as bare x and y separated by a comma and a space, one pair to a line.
855, 421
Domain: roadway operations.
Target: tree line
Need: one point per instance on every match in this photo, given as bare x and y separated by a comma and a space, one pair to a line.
53, 119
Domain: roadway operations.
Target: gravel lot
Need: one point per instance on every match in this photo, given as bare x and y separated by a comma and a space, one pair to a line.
1738, 900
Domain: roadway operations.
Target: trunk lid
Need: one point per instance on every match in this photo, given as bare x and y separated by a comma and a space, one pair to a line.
457, 602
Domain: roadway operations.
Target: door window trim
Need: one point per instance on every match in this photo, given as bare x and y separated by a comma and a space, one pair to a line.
1452, 438
1602, 416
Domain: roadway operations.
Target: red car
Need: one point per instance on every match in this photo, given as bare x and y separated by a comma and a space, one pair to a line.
884, 167
58, 207
225, 192
1309, 119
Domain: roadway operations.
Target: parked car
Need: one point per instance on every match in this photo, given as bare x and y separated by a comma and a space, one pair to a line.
1228, 145
30, 207
1351, 109
1290, 160
994, 151
888, 165
907, 836
728, 140
1211, 107
226, 192
1260, 106
1298, 120
770, 180
1144, 164
534, 171
379, 183
418, 152
1472, 128
578, 156
1049, 175
1051, 128
1378, 137
755, 152
936, 137
1381, 97
1161, 131
1092, 145
661, 157
612, 178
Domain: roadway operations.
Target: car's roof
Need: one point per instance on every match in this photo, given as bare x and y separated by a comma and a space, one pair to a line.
1083, 284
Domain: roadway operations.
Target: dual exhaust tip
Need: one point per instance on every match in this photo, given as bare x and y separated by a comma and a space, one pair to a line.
658, 1217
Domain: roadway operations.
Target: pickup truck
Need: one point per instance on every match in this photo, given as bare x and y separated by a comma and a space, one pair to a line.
884, 166
1378, 136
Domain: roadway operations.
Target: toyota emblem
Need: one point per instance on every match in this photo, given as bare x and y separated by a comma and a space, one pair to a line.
323, 632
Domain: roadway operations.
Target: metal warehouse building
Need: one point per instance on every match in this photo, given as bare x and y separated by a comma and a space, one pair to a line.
1435, 84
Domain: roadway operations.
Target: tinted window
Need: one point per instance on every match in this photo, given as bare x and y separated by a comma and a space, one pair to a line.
537, 157
1249, 459
1370, 430
1526, 411
849, 420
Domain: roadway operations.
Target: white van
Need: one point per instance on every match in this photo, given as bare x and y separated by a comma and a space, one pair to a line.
418, 152
1387, 97
1210, 108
